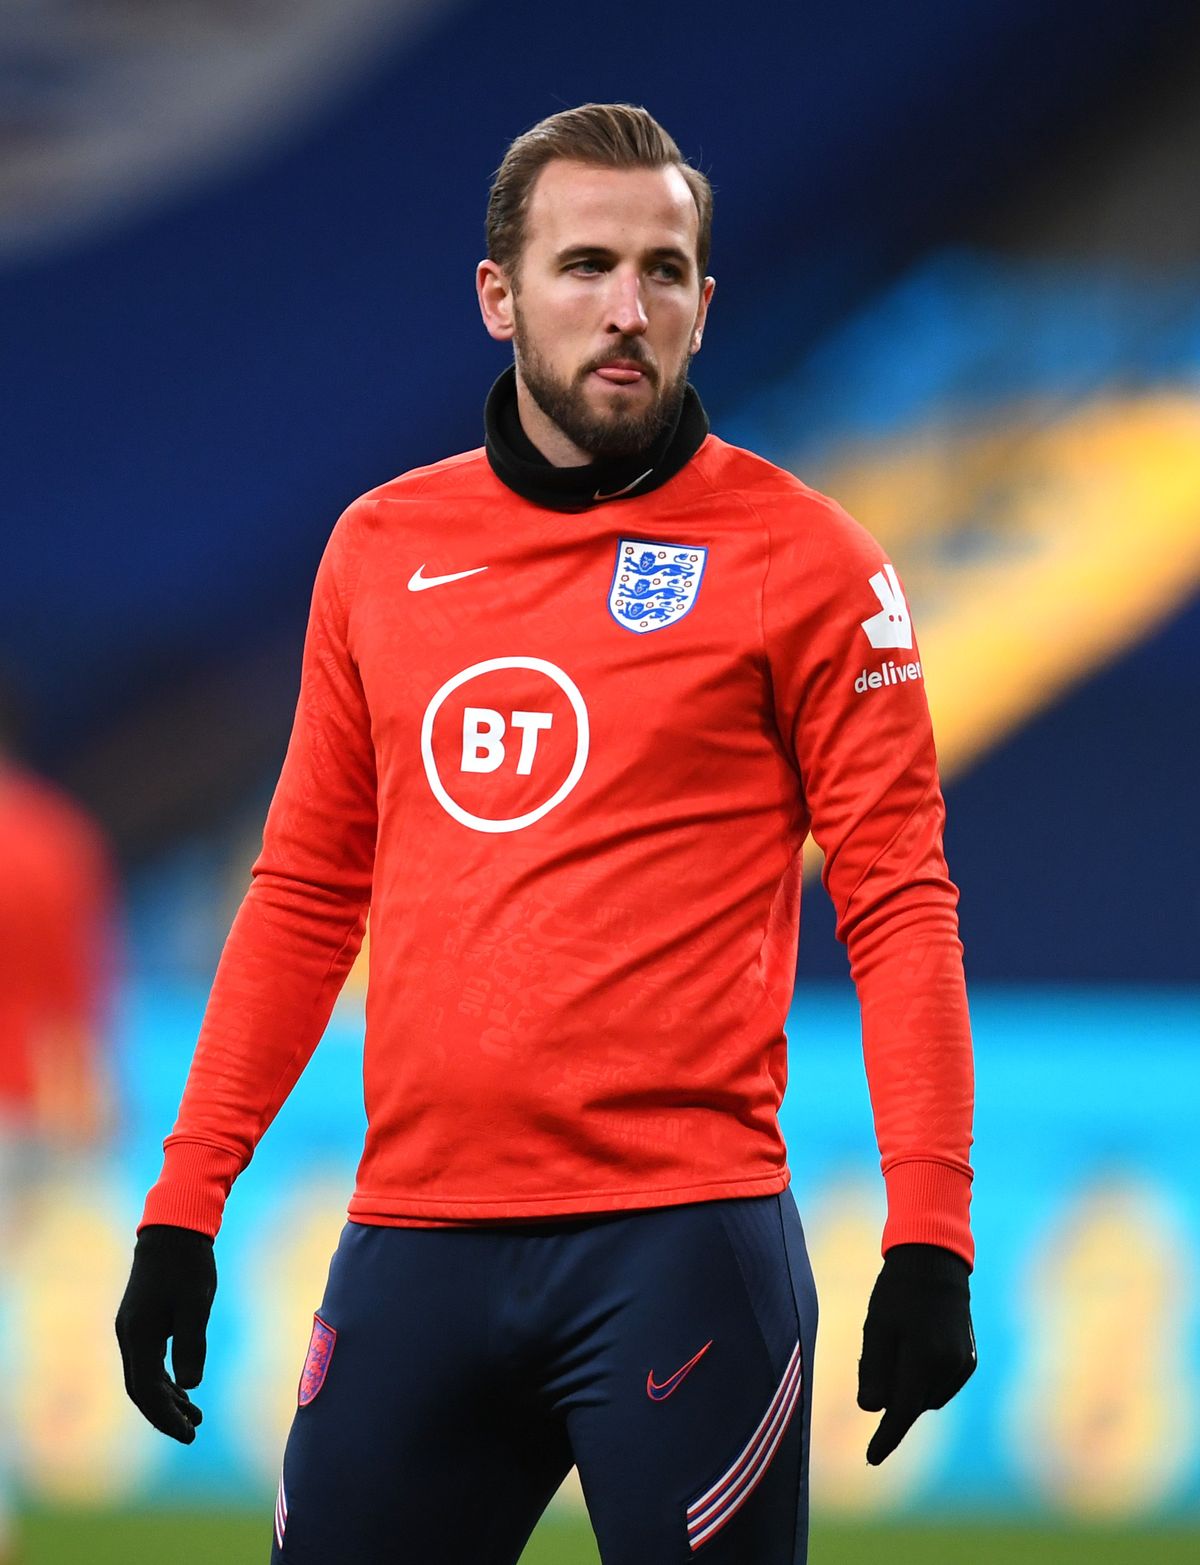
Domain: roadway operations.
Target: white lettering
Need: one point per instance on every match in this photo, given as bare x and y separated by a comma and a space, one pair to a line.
530, 724
483, 739
889, 674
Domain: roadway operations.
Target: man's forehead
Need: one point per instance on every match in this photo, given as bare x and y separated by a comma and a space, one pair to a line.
581, 201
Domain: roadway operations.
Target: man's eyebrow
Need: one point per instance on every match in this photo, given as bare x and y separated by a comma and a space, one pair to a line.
602, 252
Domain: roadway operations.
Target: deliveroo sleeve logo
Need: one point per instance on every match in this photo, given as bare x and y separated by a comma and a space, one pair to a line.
891, 627
654, 584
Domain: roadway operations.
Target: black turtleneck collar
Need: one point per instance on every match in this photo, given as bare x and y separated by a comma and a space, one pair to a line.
517, 462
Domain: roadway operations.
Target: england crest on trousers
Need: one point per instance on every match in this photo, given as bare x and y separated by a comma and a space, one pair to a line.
316, 1366
654, 584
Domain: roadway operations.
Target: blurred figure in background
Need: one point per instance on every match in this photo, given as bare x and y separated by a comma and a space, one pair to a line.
56, 967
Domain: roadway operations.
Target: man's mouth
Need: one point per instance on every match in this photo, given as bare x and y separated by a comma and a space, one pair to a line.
621, 372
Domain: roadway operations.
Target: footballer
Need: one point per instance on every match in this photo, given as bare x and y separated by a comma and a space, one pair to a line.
570, 705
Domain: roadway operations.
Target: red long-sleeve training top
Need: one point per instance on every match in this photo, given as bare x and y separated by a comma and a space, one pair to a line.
570, 761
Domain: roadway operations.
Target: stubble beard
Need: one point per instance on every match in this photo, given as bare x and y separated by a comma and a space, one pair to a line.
608, 433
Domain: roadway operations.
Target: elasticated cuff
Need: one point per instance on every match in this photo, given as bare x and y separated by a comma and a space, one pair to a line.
192, 1189
929, 1203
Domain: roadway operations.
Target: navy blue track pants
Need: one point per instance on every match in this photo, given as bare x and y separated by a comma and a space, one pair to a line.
455, 1375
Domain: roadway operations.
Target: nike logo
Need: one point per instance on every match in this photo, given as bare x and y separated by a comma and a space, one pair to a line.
617, 493
418, 583
660, 1393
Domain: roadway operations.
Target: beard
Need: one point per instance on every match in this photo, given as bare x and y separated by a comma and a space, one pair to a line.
601, 433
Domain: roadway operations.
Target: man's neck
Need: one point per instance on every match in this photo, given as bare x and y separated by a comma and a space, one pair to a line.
558, 449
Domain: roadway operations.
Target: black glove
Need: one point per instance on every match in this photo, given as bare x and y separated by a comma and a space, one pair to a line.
918, 1345
169, 1294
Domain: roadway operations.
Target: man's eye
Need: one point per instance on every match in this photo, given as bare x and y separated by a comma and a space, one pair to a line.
669, 271
584, 265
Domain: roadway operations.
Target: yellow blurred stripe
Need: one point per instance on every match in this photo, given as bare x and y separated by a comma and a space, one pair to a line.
1093, 539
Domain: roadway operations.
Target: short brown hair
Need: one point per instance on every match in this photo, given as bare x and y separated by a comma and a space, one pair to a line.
610, 135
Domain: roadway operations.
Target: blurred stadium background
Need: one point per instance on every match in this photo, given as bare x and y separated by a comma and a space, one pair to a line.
958, 254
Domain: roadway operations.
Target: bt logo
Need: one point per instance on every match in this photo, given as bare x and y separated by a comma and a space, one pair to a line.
483, 738
504, 752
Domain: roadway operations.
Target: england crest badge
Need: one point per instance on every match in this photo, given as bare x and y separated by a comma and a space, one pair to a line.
316, 1365
654, 584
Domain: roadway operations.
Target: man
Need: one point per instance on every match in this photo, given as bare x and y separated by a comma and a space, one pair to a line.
569, 707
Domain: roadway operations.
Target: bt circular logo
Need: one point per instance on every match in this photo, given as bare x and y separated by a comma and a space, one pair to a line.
504, 742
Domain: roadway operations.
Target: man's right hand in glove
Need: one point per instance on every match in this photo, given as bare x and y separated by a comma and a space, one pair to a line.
169, 1294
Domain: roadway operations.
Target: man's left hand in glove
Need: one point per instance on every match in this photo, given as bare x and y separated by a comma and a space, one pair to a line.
918, 1344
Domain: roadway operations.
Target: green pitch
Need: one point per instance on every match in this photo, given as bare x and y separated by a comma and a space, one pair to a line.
206, 1539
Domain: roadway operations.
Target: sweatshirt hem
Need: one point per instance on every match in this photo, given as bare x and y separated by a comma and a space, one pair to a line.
401, 1211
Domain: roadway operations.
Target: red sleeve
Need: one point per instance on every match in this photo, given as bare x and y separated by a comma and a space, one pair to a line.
865, 755
298, 929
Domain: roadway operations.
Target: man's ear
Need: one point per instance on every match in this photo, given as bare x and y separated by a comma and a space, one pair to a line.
495, 293
706, 294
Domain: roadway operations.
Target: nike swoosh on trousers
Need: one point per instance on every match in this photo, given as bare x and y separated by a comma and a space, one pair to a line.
659, 1393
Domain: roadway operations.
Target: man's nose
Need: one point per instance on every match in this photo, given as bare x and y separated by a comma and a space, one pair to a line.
627, 315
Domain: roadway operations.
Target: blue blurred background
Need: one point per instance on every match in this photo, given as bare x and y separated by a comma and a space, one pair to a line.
957, 247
